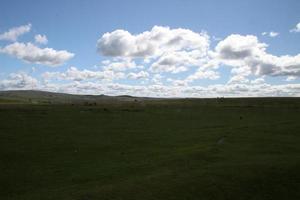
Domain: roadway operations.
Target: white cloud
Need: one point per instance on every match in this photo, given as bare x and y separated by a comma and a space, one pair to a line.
203, 74
178, 82
248, 52
163, 52
13, 33
75, 74
273, 34
167, 64
178, 89
162, 49
256, 87
18, 81
120, 65
238, 79
241, 71
270, 34
176, 62
244, 90
166, 50
260, 80
236, 47
264, 33
138, 75
33, 54
296, 29
199, 74
291, 78
157, 79
41, 39
158, 40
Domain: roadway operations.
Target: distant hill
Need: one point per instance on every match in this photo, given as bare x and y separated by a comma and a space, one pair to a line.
43, 97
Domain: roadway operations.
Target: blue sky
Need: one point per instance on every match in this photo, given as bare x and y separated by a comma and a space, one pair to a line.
264, 32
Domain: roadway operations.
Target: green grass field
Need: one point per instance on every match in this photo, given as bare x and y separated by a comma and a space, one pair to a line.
172, 149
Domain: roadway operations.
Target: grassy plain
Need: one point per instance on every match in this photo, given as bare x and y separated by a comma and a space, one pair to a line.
218, 149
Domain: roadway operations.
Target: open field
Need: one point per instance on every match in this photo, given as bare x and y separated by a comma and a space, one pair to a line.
144, 149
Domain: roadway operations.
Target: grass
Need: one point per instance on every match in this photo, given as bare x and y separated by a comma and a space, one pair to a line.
180, 149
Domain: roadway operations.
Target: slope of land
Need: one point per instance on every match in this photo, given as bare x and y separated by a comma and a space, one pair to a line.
42, 97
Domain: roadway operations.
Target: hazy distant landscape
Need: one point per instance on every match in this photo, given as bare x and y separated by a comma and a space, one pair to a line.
60, 146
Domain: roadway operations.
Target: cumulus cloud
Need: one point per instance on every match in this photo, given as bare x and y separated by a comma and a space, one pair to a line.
157, 79
75, 74
18, 81
158, 40
13, 33
296, 29
236, 47
162, 48
169, 63
33, 54
163, 52
247, 52
176, 62
167, 50
256, 87
203, 74
178, 82
138, 75
120, 64
41, 39
238, 79
199, 74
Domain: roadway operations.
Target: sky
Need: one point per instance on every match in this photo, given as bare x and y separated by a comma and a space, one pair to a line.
158, 48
